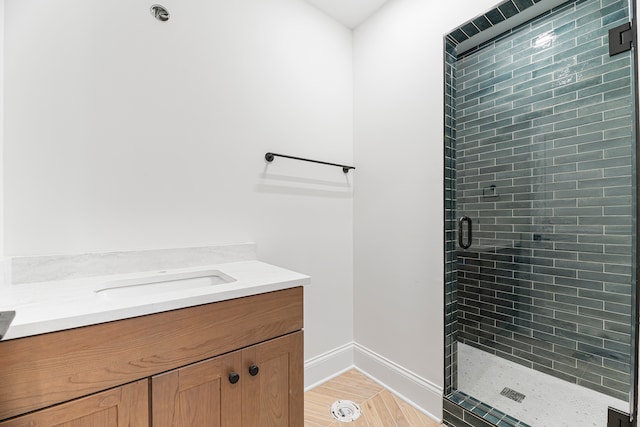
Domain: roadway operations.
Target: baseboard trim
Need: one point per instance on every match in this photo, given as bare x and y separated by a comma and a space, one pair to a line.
423, 394
326, 366
416, 390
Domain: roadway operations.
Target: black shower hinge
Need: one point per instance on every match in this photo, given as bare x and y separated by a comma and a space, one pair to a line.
621, 38
616, 418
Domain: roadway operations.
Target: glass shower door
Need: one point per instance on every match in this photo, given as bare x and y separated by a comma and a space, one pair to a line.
544, 193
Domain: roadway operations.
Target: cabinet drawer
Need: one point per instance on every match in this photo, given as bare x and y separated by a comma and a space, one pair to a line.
39, 371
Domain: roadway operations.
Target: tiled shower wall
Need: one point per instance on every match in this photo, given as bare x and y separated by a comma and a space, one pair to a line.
543, 155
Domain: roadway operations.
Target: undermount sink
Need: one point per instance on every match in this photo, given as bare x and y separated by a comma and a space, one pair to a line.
161, 282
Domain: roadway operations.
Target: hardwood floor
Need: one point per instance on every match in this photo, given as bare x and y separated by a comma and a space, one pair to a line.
380, 408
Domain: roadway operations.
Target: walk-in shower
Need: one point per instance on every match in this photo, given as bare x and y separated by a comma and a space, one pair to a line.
540, 212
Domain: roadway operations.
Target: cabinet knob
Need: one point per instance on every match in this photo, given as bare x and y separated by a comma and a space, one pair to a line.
234, 377
253, 370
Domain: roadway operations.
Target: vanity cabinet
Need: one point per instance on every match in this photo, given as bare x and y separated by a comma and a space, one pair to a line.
249, 388
167, 369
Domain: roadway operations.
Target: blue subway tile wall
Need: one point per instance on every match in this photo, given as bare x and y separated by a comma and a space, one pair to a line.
540, 148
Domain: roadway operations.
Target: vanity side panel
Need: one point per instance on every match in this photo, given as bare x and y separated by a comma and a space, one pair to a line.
39, 371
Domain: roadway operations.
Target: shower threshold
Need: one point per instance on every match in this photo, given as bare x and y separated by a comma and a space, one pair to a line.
549, 400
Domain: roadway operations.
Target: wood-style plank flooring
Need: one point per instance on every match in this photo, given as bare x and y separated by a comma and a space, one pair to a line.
380, 408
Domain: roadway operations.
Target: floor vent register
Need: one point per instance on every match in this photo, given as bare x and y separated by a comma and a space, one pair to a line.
345, 411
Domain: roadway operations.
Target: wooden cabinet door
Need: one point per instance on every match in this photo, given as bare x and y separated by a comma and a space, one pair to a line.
199, 395
124, 406
274, 396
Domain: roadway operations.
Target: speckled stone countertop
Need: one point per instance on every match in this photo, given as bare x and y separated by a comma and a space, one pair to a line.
70, 302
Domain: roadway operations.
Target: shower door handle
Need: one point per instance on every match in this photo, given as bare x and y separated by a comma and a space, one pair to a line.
461, 222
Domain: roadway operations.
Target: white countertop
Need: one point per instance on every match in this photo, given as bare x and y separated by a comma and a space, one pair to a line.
63, 304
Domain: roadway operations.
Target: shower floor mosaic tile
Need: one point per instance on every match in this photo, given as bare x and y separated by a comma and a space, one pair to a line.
549, 401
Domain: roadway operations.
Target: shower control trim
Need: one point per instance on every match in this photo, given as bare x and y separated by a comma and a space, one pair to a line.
461, 241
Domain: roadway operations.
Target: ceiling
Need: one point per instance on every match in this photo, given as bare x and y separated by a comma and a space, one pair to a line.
349, 12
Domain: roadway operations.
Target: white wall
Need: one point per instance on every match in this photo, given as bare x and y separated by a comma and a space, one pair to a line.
125, 133
398, 225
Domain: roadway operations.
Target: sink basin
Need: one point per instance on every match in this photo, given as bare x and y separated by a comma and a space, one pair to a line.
163, 282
